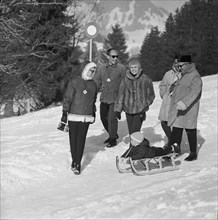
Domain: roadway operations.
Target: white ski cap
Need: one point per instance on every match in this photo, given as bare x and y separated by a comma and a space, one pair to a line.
137, 136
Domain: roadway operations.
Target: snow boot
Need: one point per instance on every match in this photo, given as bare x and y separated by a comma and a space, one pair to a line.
176, 148
73, 166
112, 143
107, 141
192, 156
77, 169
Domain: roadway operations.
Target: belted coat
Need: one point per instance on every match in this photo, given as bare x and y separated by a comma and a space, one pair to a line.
188, 90
169, 78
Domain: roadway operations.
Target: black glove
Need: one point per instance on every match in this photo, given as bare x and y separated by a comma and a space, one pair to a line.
118, 115
64, 117
63, 124
142, 116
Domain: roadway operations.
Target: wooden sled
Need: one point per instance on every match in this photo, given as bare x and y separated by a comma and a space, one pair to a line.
121, 168
158, 166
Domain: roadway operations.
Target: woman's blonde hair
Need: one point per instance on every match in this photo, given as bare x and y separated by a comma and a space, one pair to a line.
134, 61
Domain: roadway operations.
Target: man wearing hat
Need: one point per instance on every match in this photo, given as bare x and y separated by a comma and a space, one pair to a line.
184, 106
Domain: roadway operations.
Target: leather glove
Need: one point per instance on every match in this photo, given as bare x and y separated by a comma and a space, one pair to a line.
118, 115
142, 116
181, 106
63, 124
64, 117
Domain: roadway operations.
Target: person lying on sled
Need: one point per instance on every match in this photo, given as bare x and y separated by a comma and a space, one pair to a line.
140, 148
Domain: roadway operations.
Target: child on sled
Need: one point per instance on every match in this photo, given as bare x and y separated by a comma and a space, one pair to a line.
140, 148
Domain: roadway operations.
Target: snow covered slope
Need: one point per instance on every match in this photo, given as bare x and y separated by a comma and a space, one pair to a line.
37, 183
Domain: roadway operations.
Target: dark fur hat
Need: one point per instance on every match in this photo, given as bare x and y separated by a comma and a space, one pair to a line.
185, 59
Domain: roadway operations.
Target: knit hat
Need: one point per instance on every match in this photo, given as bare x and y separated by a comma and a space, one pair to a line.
137, 136
185, 59
86, 69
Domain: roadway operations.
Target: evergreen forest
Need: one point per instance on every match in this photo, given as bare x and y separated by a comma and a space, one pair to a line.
192, 30
40, 46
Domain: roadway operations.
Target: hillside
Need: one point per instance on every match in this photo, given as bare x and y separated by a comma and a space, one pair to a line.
37, 183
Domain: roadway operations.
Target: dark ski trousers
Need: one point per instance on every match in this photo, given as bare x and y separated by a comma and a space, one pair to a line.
176, 137
159, 151
109, 119
77, 136
166, 129
147, 152
134, 122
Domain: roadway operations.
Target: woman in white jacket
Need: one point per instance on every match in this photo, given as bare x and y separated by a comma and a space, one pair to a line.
166, 87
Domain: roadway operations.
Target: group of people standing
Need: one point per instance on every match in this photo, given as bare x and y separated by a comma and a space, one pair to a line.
130, 90
180, 90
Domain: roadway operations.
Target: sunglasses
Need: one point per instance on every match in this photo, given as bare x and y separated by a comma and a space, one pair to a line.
180, 66
114, 56
93, 69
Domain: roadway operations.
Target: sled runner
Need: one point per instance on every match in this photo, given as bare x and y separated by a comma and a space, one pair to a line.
159, 164
121, 168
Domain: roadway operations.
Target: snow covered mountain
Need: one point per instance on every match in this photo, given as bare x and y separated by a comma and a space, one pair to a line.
136, 18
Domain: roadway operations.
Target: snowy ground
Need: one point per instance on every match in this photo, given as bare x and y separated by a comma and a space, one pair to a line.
37, 183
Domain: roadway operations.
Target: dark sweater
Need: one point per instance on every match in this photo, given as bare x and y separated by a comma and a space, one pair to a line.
80, 97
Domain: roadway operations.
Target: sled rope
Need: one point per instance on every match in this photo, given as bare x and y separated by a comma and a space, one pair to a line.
156, 124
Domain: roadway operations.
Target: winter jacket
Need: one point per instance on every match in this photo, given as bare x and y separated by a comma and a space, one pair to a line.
108, 78
79, 100
136, 94
169, 78
188, 90
143, 150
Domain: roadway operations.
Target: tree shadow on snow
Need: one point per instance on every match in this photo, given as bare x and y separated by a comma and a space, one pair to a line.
150, 134
95, 143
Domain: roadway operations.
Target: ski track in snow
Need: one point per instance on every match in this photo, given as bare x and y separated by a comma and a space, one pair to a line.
37, 183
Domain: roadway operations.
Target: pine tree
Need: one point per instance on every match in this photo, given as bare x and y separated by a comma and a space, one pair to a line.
38, 49
150, 54
192, 30
117, 40
209, 43
196, 29
168, 42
